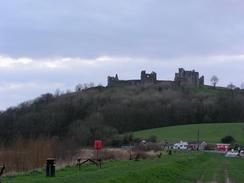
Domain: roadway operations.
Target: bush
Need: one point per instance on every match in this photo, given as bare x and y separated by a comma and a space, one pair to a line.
152, 139
120, 140
228, 139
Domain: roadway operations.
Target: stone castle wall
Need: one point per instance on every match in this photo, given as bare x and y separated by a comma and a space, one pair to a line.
182, 78
188, 78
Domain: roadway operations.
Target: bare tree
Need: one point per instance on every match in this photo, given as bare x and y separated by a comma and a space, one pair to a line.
91, 85
231, 86
88, 85
242, 85
57, 92
78, 87
214, 80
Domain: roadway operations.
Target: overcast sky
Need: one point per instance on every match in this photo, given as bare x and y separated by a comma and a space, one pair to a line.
50, 44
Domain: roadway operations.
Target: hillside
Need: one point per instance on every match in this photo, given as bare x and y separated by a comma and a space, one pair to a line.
103, 112
211, 133
183, 168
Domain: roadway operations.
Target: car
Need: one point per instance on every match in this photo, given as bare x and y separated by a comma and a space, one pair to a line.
181, 145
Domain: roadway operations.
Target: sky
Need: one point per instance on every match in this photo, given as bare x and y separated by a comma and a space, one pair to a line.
51, 44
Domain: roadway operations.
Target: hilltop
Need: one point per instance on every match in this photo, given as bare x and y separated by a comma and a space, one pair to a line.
103, 112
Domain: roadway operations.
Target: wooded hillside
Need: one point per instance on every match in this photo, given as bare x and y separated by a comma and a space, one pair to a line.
101, 112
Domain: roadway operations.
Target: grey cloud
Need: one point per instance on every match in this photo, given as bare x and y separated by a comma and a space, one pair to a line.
135, 28
155, 35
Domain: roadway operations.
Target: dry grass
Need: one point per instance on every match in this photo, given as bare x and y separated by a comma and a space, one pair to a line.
27, 155
116, 154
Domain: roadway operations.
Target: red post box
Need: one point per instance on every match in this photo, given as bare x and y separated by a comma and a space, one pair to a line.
98, 144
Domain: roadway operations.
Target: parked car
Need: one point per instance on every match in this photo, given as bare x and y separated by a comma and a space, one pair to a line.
232, 154
181, 145
201, 145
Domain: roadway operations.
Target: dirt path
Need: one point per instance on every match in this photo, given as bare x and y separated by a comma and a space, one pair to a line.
227, 178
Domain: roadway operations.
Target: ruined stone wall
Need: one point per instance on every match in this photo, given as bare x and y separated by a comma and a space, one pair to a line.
165, 83
114, 81
148, 78
182, 78
188, 78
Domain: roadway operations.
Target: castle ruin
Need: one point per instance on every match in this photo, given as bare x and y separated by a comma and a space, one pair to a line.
182, 78
188, 78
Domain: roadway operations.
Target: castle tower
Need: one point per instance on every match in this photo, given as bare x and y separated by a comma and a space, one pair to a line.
148, 78
188, 78
112, 80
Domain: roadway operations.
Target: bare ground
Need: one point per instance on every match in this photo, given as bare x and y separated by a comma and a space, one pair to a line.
227, 179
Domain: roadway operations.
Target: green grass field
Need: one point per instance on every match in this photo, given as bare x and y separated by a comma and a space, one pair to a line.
211, 133
177, 168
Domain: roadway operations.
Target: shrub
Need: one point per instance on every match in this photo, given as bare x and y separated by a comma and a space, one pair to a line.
120, 140
152, 139
228, 139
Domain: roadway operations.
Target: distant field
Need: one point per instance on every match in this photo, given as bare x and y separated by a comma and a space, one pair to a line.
211, 133
177, 168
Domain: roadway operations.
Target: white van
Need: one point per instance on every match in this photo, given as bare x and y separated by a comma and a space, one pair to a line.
181, 145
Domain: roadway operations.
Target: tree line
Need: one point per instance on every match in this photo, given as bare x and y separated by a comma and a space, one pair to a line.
106, 112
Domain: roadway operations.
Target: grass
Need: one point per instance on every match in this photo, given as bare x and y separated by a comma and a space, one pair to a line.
179, 167
205, 89
211, 133
215, 167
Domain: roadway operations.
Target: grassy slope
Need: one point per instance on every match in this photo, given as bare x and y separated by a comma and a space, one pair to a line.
211, 133
183, 168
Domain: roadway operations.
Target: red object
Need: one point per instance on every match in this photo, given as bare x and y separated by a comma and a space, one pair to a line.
98, 144
192, 146
223, 147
